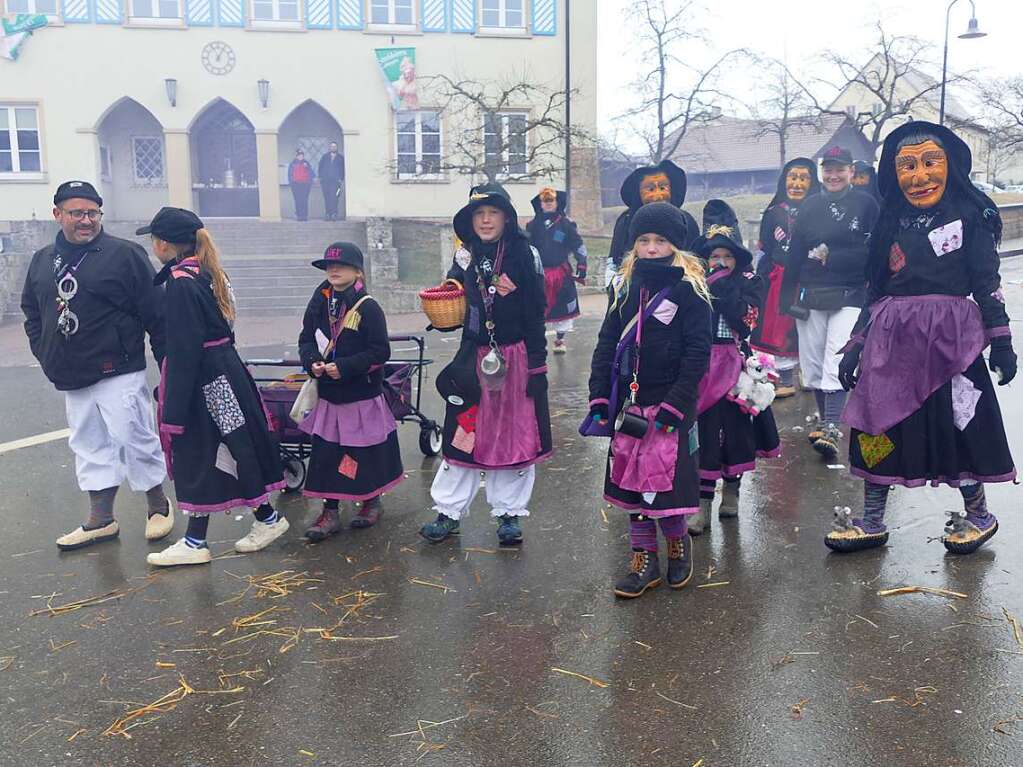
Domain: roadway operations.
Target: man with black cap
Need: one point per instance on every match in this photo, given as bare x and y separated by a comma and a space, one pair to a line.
824, 285
89, 301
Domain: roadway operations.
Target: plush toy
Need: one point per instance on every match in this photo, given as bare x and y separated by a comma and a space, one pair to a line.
754, 391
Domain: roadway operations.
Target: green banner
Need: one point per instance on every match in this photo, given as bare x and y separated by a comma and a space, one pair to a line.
398, 66
16, 31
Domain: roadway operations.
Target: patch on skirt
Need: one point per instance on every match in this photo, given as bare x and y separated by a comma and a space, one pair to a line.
348, 467
464, 440
222, 405
875, 448
225, 461
965, 397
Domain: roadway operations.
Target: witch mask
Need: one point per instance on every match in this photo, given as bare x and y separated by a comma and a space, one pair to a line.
655, 187
861, 178
922, 172
797, 183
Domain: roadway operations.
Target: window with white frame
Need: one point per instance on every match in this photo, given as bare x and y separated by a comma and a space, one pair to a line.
276, 11
161, 10
418, 142
43, 7
505, 142
20, 150
391, 12
147, 160
105, 165
503, 14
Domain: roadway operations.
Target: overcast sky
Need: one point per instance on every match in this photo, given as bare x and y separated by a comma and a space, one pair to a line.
798, 30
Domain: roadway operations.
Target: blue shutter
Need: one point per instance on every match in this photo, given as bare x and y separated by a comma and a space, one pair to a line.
76, 11
108, 11
435, 15
199, 13
349, 14
318, 14
545, 17
463, 15
230, 13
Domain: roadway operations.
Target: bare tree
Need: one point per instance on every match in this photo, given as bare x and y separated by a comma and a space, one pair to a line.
500, 131
787, 107
1004, 100
673, 94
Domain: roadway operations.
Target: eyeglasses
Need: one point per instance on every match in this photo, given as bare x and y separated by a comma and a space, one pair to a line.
78, 215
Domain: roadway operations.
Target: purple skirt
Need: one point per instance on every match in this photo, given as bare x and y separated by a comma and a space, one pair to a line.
914, 346
725, 366
506, 426
353, 424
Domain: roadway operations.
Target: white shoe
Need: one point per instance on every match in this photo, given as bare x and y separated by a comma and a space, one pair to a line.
159, 525
80, 538
180, 553
262, 535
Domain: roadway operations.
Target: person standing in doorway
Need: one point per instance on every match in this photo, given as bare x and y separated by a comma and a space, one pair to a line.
89, 301
332, 177
300, 178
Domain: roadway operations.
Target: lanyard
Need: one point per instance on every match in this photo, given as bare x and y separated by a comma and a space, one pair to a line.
335, 319
644, 296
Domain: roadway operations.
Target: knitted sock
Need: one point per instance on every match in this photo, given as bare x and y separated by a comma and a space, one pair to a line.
195, 534
707, 487
834, 401
642, 533
975, 503
819, 396
157, 501
875, 499
101, 508
674, 526
266, 514
786, 377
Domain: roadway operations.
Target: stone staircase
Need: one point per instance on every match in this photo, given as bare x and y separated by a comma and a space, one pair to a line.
268, 262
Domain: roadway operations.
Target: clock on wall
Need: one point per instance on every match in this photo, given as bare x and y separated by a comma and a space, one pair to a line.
218, 58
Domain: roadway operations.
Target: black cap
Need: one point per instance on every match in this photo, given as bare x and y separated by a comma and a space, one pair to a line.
661, 218
175, 225
77, 190
837, 154
340, 253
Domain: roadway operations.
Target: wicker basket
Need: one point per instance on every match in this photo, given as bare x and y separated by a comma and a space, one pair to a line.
444, 305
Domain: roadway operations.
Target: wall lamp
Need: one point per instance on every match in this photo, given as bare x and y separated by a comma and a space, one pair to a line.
264, 92
171, 86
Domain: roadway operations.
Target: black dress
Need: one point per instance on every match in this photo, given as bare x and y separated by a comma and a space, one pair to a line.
221, 454
556, 238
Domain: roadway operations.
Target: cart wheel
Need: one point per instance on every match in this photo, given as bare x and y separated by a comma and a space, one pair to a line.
294, 475
430, 440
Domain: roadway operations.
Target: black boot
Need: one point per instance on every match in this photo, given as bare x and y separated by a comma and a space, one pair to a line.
645, 574
680, 561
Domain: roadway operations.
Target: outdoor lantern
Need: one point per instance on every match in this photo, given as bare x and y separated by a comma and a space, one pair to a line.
172, 90
972, 30
264, 92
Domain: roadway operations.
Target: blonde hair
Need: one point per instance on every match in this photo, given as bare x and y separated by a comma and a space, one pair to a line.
691, 265
205, 250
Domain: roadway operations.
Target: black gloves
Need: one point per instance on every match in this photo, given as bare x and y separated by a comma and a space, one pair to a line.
536, 386
600, 413
666, 420
1002, 359
847, 367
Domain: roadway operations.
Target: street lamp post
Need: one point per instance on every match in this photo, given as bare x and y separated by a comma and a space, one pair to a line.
972, 31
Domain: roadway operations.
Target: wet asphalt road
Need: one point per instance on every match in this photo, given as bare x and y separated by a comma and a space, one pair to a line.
786, 656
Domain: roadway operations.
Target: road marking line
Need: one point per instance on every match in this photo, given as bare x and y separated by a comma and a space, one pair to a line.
38, 439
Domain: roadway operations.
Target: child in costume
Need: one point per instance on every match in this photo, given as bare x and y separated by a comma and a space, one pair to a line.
824, 286
220, 454
923, 408
776, 332
344, 345
731, 438
652, 350
664, 182
497, 423
554, 236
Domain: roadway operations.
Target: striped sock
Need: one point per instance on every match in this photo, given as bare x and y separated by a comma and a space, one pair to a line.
642, 533
266, 514
707, 488
875, 499
674, 526
834, 401
975, 502
195, 535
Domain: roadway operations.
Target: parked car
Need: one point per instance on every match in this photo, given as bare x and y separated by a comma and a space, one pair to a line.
1014, 189
987, 188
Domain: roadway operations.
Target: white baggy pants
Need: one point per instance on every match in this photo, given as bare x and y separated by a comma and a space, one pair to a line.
508, 490
820, 338
113, 434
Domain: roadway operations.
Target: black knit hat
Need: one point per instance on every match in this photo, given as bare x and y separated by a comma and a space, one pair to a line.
77, 190
340, 253
661, 218
494, 195
176, 225
719, 213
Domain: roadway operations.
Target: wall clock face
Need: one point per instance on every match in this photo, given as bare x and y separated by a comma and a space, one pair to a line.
218, 58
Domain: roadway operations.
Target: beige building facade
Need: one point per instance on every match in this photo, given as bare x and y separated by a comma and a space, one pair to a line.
202, 103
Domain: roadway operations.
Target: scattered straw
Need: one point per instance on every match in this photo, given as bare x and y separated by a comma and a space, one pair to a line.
77, 733
425, 724
589, 679
6, 662
676, 702
712, 585
439, 586
797, 708
310, 754
78, 604
165, 664
1015, 626
161, 706
921, 590
999, 726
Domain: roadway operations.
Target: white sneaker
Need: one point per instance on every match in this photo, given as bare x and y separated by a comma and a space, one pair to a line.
160, 525
262, 535
180, 553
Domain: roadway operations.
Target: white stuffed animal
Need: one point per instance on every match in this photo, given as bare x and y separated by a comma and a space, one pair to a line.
754, 391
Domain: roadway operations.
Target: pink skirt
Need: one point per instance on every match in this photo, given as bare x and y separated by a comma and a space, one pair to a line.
645, 465
506, 430
725, 366
352, 424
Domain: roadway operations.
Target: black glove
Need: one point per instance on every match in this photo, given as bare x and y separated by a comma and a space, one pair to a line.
580, 274
1003, 359
847, 367
666, 420
536, 386
600, 413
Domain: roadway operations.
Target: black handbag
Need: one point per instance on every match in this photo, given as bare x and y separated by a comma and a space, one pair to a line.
825, 298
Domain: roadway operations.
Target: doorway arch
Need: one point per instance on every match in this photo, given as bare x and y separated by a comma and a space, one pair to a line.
311, 128
132, 162
224, 167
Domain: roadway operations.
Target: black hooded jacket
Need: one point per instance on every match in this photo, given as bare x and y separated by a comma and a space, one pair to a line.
779, 218
737, 295
116, 305
555, 235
